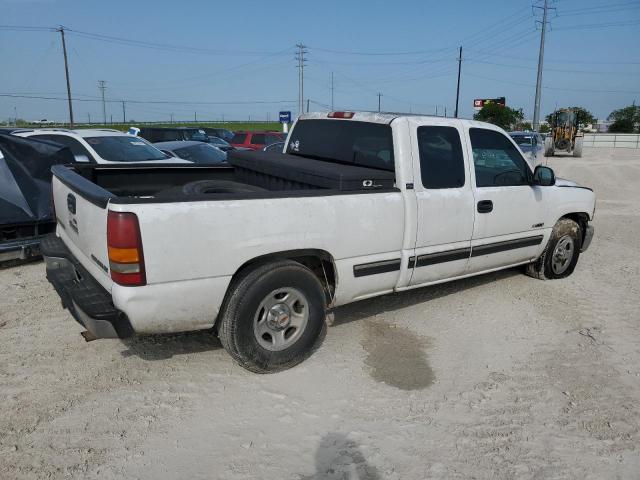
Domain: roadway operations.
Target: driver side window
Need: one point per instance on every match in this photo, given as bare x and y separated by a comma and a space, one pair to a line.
497, 161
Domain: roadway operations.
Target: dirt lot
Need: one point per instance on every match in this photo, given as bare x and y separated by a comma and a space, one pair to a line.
499, 376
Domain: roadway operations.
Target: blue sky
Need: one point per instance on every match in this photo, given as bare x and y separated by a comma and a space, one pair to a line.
244, 52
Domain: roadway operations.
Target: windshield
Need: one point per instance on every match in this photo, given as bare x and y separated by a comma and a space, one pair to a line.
201, 154
218, 141
344, 141
523, 139
124, 148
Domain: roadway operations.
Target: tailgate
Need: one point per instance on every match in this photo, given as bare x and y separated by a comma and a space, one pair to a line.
81, 216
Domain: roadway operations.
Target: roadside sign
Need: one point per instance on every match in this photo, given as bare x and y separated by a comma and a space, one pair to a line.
285, 117
478, 103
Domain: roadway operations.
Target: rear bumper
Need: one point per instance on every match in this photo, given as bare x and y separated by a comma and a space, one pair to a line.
588, 236
20, 249
89, 303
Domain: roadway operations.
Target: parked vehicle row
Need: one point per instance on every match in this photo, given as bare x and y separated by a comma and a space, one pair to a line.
101, 145
358, 205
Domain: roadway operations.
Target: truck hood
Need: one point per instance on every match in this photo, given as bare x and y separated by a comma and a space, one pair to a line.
563, 182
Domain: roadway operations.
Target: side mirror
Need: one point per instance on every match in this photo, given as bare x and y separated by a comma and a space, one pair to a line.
544, 176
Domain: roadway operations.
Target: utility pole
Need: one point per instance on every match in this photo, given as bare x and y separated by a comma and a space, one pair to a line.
458, 89
102, 87
379, 97
66, 72
436, 110
300, 57
331, 90
89, 115
308, 105
536, 109
195, 116
124, 113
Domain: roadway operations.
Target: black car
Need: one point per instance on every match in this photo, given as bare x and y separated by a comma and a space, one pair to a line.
222, 133
193, 151
171, 134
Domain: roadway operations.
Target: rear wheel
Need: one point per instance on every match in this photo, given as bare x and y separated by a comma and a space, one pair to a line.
274, 317
561, 255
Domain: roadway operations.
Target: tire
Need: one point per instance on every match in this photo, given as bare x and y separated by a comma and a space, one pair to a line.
201, 187
561, 254
256, 325
577, 148
548, 147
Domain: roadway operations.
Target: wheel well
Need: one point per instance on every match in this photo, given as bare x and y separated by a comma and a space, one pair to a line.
320, 262
581, 219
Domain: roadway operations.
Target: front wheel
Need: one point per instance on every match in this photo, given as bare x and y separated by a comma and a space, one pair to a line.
273, 317
560, 257
549, 148
577, 147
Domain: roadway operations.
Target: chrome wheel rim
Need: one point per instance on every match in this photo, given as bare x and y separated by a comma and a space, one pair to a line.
562, 255
281, 319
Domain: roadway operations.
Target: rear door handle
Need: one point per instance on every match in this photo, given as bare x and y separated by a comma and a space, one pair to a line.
485, 206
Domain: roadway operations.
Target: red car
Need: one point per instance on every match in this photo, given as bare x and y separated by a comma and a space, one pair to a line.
256, 140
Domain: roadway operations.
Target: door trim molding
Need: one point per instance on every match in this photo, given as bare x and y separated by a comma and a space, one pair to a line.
496, 247
374, 268
465, 253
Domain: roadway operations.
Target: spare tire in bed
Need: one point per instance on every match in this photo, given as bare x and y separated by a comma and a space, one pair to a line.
201, 187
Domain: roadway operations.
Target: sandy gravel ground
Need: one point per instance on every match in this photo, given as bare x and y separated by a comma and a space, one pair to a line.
500, 376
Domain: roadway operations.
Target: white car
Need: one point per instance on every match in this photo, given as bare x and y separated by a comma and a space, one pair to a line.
102, 146
360, 205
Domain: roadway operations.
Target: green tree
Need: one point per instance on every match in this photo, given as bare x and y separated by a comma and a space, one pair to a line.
625, 119
544, 128
504, 117
585, 117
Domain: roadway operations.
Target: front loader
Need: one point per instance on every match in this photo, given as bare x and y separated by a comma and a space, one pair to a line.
564, 135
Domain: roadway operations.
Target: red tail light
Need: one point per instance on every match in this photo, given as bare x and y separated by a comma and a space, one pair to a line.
126, 259
341, 114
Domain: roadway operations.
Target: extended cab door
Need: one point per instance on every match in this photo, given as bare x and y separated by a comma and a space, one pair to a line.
509, 226
445, 201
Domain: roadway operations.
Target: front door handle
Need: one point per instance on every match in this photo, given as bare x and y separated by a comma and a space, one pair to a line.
485, 206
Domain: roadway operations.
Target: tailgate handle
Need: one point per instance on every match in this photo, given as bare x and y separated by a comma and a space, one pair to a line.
71, 203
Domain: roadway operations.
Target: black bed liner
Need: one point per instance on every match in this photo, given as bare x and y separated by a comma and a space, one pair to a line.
280, 171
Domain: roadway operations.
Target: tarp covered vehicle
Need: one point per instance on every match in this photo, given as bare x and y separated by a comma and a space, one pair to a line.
26, 211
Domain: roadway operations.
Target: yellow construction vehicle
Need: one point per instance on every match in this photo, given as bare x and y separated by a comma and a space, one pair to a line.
564, 135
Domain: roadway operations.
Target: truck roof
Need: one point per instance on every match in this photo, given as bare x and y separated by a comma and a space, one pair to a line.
387, 117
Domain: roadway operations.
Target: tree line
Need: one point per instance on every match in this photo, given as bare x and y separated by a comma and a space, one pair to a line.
624, 120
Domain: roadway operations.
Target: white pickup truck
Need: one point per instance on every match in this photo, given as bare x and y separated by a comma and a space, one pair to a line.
358, 205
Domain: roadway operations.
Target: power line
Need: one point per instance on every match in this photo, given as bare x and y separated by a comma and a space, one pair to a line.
601, 25
149, 102
572, 89
165, 46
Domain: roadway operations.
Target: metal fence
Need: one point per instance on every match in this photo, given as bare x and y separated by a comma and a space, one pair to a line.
612, 140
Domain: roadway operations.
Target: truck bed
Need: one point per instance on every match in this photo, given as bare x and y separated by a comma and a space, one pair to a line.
274, 175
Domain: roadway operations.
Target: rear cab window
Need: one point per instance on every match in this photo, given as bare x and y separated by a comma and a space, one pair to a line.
441, 158
344, 141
